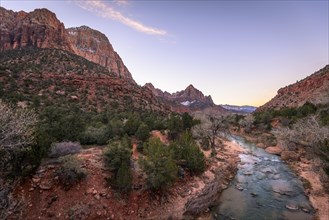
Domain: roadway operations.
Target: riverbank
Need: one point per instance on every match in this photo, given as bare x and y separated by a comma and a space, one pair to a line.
315, 190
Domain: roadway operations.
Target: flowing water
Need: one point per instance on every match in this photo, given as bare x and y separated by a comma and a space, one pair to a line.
264, 188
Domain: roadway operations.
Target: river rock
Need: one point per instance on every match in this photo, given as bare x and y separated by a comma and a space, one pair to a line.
274, 150
261, 145
289, 155
292, 207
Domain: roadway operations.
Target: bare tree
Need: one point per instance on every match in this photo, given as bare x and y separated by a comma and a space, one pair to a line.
306, 131
212, 127
17, 133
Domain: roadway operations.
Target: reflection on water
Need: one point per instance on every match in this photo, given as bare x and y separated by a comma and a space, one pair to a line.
264, 188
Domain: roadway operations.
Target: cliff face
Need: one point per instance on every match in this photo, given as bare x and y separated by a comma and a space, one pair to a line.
314, 89
41, 28
95, 46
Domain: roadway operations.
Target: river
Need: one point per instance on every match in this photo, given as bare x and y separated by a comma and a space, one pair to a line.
263, 188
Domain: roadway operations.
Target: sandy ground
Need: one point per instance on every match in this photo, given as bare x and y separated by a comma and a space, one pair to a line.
317, 195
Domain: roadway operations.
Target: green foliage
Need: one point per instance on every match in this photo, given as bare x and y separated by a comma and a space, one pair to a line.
292, 114
305, 110
132, 124
186, 151
175, 126
143, 132
115, 155
123, 178
96, 135
61, 124
158, 164
324, 117
117, 159
70, 171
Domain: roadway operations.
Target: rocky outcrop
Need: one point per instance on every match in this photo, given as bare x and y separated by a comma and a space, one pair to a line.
41, 28
95, 46
313, 89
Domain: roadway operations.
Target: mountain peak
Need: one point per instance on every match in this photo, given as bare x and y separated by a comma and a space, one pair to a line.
41, 28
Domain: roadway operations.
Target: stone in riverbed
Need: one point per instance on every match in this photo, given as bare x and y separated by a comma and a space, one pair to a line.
292, 207
274, 150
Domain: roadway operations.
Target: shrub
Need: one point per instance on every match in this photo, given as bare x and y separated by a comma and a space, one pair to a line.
62, 124
188, 153
158, 164
17, 137
123, 178
115, 155
64, 148
70, 171
324, 117
143, 132
94, 135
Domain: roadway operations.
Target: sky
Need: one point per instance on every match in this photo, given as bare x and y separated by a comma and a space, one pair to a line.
239, 52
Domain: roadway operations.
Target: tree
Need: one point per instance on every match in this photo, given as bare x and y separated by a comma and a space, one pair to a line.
17, 136
211, 128
187, 153
175, 126
123, 178
115, 155
158, 164
117, 159
143, 132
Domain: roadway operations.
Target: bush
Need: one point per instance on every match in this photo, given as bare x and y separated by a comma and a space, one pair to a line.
115, 155
62, 124
123, 178
94, 135
17, 137
187, 152
158, 164
143, 132
324, 117
64, 148
70, 171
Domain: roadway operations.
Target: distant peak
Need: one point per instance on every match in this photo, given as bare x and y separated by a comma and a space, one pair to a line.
190, 87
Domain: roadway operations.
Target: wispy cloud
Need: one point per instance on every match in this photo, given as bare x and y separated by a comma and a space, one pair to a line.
106, 11
122, 2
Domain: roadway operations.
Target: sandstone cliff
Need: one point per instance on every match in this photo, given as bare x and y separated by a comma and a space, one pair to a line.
41, 28
314, 89
95, 46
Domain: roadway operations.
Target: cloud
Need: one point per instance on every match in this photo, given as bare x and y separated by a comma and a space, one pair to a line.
106, 11
122, 2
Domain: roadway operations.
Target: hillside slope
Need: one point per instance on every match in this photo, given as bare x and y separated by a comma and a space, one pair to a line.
313, 89
40, 77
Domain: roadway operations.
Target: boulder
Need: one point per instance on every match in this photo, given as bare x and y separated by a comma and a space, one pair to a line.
261, 145
274, 150
289, 155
